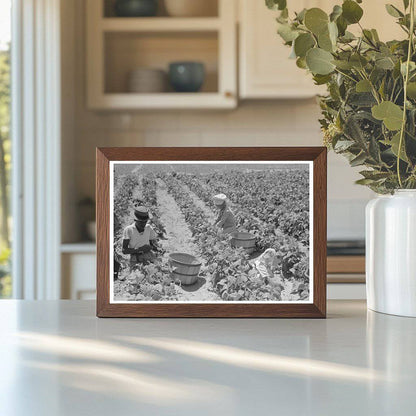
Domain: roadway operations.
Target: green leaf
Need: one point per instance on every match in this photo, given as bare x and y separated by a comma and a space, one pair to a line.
412, 67
406, 4
347, 37
301, 15
375, 35
368, 36
393, 11
358, 160
363, 86
325, 43
343, 65
364, 181
390, 113
333, 32
327, 40
374, 150
303, 43
286, 32
301, 63
351, 11
284, 14
276, 4
319, 61
336, 12
354, 131
374, 175
358, 61
394, 144
382, 88
377, 74
316, 20
396, 71
342, 25
343, 145
385, 63
361, 99
321, 79
411, 90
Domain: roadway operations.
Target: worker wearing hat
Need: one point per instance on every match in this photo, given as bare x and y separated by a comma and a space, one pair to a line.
225, 220
139, 238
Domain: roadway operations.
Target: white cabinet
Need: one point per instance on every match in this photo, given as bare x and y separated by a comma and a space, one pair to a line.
78, 263
265, 70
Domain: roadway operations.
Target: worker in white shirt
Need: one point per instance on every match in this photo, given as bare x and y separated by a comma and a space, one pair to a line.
266, 264
139, 238
225, 220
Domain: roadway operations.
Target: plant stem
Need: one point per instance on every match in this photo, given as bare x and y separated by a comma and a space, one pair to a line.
373, 90
346, 75
406, 80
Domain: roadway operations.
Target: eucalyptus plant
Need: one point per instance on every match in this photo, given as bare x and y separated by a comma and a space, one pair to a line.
369, 112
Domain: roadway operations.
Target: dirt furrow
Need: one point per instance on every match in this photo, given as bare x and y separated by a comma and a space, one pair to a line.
179, 238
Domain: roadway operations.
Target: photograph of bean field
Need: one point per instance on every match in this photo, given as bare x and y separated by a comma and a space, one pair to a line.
211, 232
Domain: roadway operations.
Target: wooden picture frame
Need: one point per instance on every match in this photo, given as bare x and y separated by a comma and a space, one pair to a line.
315, 307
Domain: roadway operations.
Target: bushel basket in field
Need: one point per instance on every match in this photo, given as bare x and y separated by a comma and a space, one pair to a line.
244, 240
184, 267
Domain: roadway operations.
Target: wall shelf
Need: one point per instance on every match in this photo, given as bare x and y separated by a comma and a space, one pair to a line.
130, 101
117, 46
80, 247
159, 24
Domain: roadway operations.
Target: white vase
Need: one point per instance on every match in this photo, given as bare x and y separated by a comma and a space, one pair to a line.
391, 253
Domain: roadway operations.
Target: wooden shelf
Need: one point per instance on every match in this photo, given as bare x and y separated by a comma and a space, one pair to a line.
159, 24
116, 46
80, 247
346, 264
128, 101
346, 269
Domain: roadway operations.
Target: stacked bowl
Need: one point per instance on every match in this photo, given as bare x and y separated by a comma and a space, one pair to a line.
147, 80
191, 8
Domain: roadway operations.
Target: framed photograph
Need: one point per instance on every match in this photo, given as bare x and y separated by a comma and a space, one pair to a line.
211, 232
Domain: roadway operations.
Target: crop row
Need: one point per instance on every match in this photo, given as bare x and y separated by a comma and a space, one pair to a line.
146, 282
280, 198
232, 275
295, 263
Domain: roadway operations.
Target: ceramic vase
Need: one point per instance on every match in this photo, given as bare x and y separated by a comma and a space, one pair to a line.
391, 253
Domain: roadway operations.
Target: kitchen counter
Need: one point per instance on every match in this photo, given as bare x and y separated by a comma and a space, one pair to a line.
57, 358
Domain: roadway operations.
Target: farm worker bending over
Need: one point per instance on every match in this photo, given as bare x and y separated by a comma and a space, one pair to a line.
225, 220
266, 264
139, 238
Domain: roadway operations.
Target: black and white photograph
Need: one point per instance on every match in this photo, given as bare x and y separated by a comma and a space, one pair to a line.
211, 232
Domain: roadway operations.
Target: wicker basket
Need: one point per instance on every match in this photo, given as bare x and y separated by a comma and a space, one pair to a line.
184, 267
244, 240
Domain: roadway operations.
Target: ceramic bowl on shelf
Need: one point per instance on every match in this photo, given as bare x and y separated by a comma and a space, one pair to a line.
135, 8
147, 80
186, 76
191, 8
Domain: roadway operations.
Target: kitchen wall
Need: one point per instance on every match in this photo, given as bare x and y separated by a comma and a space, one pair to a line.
253, 123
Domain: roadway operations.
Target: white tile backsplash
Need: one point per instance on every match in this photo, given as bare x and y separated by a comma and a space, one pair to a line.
346, 219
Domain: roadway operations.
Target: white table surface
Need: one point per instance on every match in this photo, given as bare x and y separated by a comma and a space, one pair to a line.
57, 358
